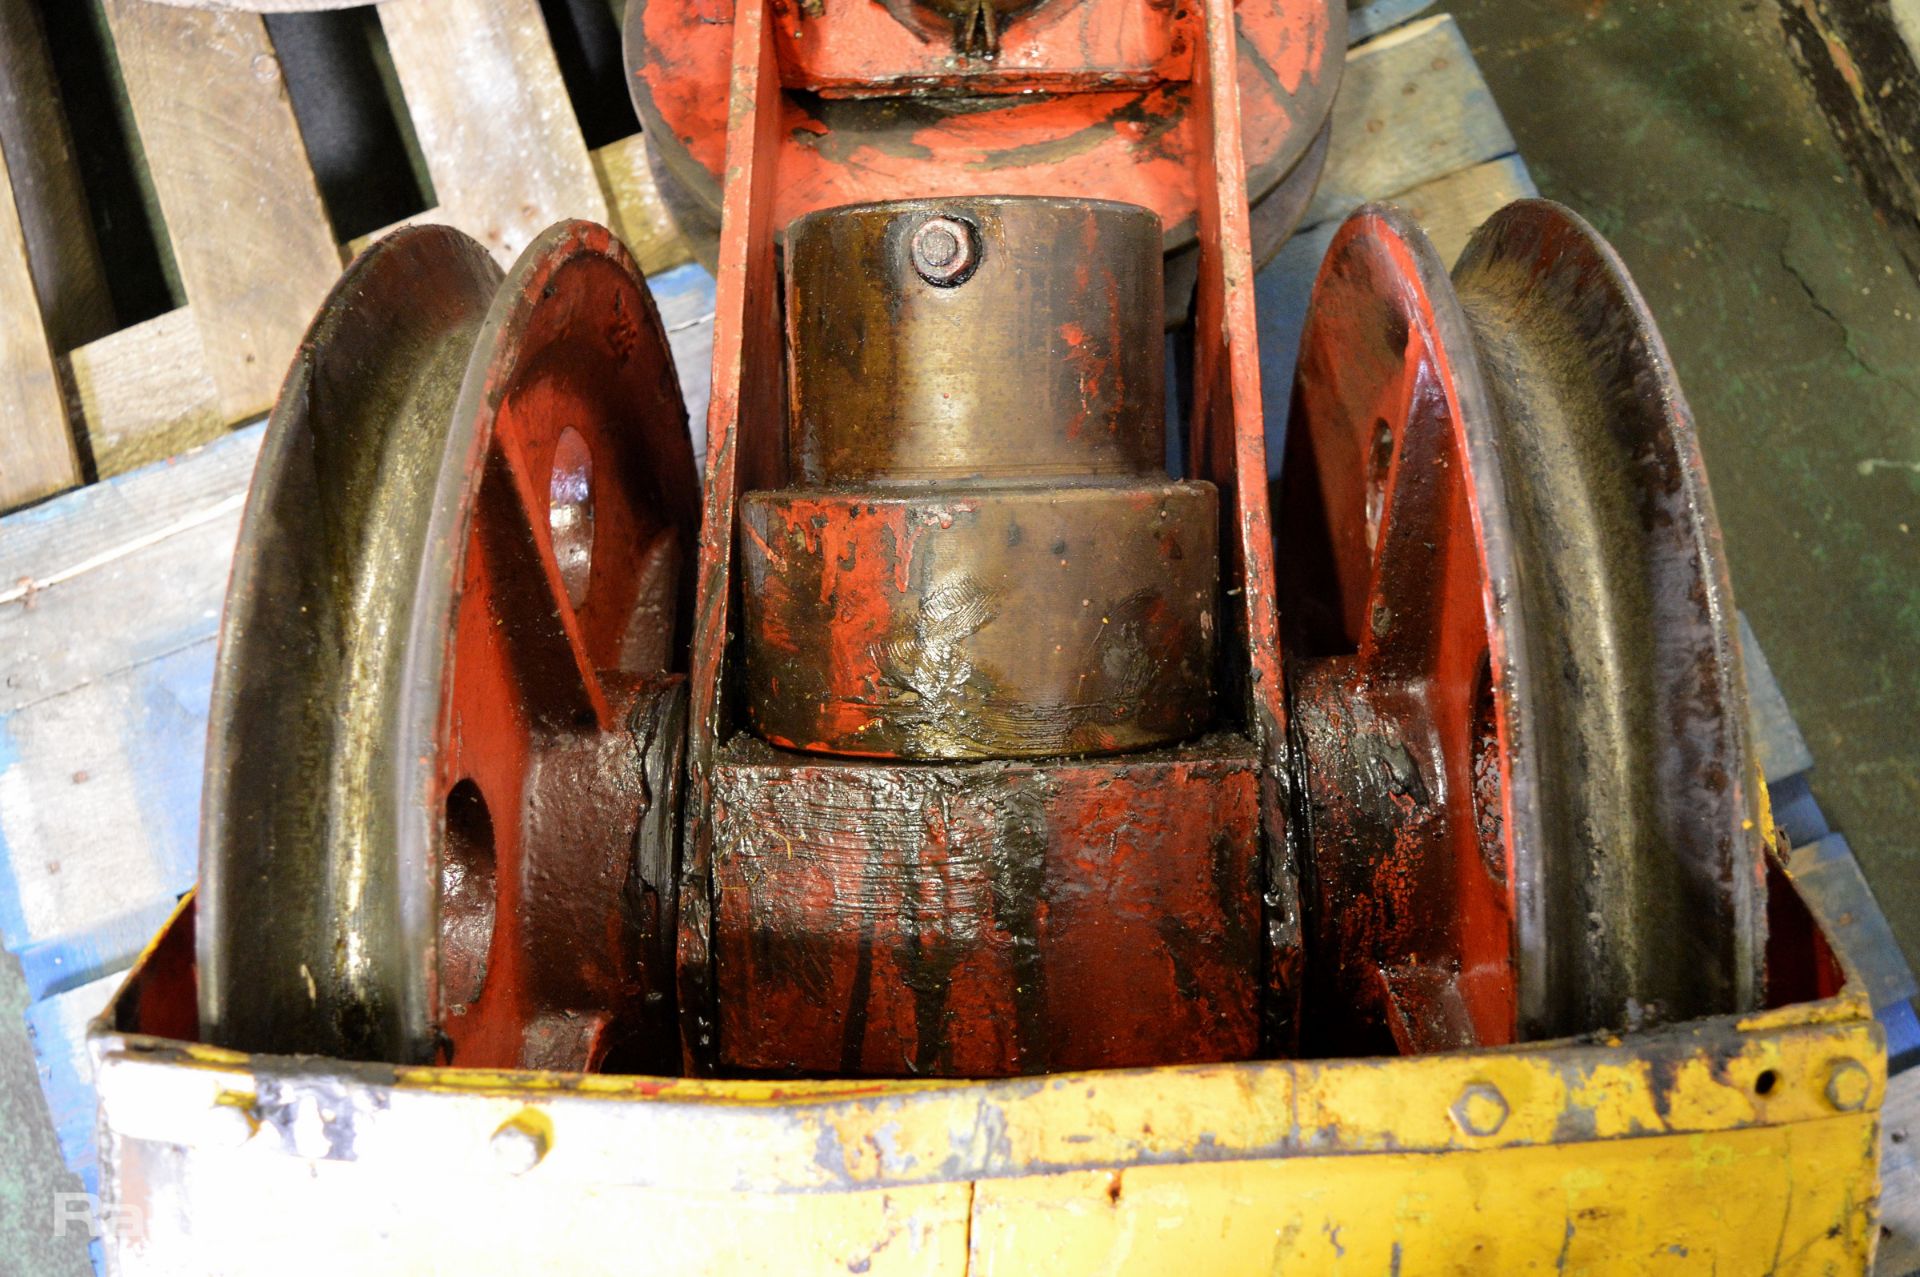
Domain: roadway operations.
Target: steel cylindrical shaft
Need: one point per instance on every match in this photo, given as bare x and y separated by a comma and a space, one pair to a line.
986, 337
983, 556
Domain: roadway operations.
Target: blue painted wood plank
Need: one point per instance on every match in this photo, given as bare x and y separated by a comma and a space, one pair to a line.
60, 963
1795, 811
1837, 894
59, 1028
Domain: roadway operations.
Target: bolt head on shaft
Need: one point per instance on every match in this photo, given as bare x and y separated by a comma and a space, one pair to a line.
943, 251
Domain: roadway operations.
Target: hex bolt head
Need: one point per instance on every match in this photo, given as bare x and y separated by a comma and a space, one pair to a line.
1481, 1110
944, 251
521, 1142
1848, 1085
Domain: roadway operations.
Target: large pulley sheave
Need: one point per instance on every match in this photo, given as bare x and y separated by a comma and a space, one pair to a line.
1517, 709
447, 719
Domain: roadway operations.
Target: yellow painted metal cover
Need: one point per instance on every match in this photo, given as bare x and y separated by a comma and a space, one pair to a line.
1738, 1145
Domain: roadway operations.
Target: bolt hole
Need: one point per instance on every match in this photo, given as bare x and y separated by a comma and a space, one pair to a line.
1379, 462
467, 897
1764, 1084
570, 513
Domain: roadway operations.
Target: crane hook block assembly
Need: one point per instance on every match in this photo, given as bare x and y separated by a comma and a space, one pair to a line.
934, 834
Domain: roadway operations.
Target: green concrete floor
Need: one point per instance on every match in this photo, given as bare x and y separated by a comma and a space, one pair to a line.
1685, 133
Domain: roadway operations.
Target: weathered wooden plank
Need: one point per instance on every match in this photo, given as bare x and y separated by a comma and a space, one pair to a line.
99, 795
67, 961
1900, 1178
1412, 107
58, 1026
37, 456
249, 232
1449, 209
685, 297
144, 393
640, 216
493, 118
106, 548
52, 204
107, 630
636, 212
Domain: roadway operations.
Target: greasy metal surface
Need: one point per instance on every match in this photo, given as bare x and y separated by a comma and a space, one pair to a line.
1115, 121
1746, 1143
980, 622
999, 568
746, 448
981, 46
431, 766
987, 919
1613, 516
1045, 362
299, 882
1528, 792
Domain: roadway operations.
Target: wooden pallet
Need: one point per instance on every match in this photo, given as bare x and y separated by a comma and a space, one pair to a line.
251, 237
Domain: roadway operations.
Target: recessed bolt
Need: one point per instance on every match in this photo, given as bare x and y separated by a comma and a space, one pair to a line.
1848, 1085
1481, 1110
943, 251
521, 1142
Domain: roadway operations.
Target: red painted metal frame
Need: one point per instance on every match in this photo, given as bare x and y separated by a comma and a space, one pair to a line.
1228, 445
864, 50
746, 449
1134, 139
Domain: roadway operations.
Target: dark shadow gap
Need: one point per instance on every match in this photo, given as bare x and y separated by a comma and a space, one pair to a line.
141, 278
353, 118
586, 42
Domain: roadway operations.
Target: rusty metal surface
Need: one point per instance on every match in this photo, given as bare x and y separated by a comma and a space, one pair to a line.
746, 448
1527, 788
987, 919
747, 439
981, 46
499, 558
1738, 1140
